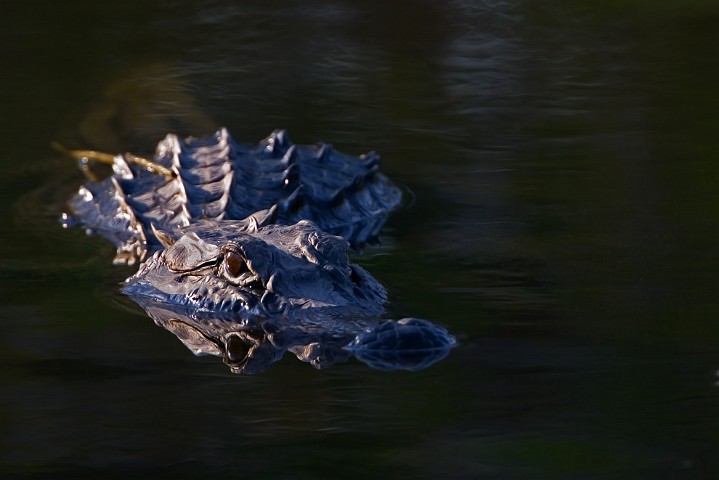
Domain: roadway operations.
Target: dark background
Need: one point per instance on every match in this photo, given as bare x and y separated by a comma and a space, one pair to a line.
563, 159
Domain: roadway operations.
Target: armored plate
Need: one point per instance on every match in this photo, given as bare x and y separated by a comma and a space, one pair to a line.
216, 178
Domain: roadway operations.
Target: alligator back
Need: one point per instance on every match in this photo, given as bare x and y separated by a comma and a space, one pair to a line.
216, 178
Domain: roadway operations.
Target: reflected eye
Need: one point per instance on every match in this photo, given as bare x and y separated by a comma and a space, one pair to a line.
236, 350
234, 265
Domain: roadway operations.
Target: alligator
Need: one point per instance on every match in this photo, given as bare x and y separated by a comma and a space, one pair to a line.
243, 251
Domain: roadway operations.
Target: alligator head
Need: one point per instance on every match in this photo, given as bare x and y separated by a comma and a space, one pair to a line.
250, 292
260, 270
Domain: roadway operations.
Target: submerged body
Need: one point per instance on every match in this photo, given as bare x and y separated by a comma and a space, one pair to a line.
273, 281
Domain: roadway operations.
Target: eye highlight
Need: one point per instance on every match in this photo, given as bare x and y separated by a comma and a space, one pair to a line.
237, 270
234, 265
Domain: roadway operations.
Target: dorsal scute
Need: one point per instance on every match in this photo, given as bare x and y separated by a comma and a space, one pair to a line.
216, 178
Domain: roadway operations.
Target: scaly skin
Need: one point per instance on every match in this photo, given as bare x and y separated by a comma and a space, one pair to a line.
243, 251
216, 178
249, 292
254, 269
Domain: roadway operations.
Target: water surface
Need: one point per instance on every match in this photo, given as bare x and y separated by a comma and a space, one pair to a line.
562, 224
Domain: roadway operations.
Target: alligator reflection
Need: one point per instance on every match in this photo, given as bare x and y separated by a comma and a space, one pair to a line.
251, 345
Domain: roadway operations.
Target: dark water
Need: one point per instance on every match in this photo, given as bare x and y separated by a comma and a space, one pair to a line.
564, 162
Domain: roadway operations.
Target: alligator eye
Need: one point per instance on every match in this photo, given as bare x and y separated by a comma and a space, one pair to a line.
234, 265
